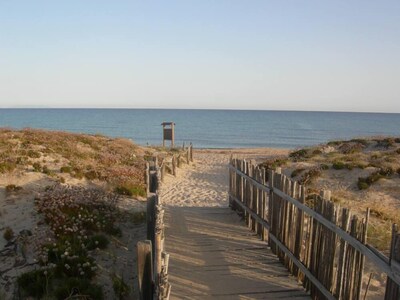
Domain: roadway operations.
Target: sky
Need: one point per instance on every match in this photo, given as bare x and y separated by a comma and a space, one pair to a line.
320, 55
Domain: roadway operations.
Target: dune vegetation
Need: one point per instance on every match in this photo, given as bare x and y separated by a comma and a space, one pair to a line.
70, 214
360, 173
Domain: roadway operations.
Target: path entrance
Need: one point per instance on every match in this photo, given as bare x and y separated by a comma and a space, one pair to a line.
213, 255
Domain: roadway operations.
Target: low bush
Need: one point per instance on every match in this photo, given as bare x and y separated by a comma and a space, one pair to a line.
33, 154
299, 154
47, 171
34, 283
130, 190
386, 143
335, 143
296, 172
91, 175
80, 288
338, 165
37, 167
310, 175
365, 182
7, 166
13, 188
121, 289
274, 163
97, 241
8, 234
324, 167
65, 169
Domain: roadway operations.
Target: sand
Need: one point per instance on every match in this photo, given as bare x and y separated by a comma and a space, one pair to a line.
205, 182
17, 211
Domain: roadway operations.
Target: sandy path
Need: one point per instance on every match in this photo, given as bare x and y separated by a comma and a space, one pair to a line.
213, 255
205, 182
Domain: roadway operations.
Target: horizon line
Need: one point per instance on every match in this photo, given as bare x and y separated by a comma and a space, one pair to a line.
217, 109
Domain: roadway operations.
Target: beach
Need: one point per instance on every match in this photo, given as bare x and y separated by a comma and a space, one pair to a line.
202, 184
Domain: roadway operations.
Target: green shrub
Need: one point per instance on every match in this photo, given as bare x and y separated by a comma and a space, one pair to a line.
338, 165
334, 143
37, 167
386, 171
65, 169
360, 141
316, 152
97, 241
121, 289
46, 170
362, 184
365, 182
33, 154
299, 154
21, 160
91, 175
8, 234
7, 166
386, 143
13, 188
130, 190
33, 283
81, 286
324, 167
274, 163
310, 175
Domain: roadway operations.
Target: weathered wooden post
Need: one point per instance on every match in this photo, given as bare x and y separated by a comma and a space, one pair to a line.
393, 289
174, 165
151, 216
191, 152
163, 171
158, 243
168, 133
147, 177
145, 270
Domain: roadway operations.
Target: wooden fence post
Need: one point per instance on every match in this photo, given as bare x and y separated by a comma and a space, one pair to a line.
145, 269
151, 216
147, 177
191, 152
178, 160
158, 244
392, 289
163, 170
174, 165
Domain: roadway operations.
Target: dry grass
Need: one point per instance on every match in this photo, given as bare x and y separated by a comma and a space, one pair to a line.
94, 157
356, 171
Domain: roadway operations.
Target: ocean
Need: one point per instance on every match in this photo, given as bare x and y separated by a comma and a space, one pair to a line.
210, 128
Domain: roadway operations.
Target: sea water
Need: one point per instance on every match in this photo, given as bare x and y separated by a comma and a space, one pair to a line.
209, 128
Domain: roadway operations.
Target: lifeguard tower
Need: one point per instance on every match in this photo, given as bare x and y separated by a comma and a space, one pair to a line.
168, 133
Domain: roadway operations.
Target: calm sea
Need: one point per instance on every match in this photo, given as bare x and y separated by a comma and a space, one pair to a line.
209, 128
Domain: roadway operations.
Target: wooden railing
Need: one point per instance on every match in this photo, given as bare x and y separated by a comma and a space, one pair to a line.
324, 246
152, 259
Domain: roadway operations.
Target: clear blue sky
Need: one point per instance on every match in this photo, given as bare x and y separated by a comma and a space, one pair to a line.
290, 55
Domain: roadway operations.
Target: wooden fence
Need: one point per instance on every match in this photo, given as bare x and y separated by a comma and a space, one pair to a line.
324, 246
168, 164
152, 259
